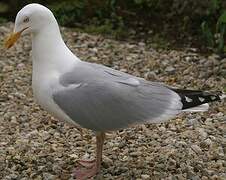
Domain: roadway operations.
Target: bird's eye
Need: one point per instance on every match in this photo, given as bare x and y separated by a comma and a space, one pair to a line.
26, 20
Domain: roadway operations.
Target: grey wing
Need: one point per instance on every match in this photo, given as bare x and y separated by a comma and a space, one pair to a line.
106, 100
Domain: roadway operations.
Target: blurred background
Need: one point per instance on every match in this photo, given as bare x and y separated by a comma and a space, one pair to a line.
167, 22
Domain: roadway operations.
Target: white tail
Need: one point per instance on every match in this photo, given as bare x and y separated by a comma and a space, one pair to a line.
200, 108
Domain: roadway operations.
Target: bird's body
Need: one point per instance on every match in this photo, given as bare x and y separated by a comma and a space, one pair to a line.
94, 96
48, 67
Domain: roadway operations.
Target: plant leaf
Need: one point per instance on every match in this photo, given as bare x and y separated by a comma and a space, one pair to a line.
214, 5
208, 35
221, 20
220, 48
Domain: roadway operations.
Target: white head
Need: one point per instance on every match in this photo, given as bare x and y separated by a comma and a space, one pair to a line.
32, 18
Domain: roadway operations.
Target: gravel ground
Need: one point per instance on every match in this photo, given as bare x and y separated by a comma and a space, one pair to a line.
34, 145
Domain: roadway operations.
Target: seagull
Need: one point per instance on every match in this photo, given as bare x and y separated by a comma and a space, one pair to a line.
91, 95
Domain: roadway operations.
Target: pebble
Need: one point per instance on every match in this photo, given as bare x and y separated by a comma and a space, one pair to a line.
145, 176
196, 148
193, 121
151, 76
161, 128
48, 176
170, 69
141, 44
202, 133
206, 143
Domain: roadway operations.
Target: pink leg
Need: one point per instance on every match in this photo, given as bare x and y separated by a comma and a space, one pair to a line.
87, 163
84, 174
92, 167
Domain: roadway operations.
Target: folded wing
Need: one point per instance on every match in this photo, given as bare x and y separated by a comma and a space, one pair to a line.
106, 99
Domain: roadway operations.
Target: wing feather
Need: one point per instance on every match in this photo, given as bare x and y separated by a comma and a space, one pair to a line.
112, 100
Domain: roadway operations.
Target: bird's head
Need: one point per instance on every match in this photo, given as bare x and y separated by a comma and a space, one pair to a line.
30, 19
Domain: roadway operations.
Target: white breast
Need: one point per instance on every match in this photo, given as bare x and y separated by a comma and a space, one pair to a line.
50, 57
43, 87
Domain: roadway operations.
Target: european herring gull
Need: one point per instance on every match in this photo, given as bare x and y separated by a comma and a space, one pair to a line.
94, 96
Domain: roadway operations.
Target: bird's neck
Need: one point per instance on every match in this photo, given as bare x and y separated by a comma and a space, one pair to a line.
49, 52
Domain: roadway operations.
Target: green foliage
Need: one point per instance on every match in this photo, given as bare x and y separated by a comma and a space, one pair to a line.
207, 33
98, 16
68, 12
2, 20
213, 27
3, 8
108, 29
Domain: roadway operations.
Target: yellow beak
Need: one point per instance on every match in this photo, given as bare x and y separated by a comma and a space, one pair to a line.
11, 40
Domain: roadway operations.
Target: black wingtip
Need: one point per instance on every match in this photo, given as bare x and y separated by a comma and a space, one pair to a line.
193, 98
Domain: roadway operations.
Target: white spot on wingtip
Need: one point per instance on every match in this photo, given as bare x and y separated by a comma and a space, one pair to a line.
201, 99
213, 97
188, 99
